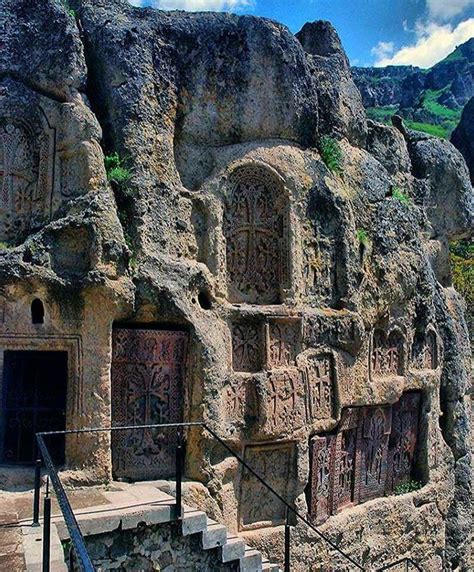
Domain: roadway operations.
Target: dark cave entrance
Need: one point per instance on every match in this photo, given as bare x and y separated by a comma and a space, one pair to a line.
33, 400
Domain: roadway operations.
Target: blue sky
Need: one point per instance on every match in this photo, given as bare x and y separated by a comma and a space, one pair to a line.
373, 32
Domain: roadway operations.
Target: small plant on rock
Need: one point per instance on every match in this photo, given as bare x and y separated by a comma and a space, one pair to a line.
331, 153
362, 236
116, 171
407, 487
398, 194
68, 8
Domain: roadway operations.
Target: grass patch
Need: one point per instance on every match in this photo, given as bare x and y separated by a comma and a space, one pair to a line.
408, 487
401, 196
430, 103
441, 131
382, 114
331, 153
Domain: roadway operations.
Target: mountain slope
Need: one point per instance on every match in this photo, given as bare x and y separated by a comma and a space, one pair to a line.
429, 100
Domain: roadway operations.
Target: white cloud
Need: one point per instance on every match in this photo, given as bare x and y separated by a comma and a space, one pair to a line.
447, 9
434, 43
196, 5
383, 50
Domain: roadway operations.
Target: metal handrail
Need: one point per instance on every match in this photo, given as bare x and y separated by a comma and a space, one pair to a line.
77, 540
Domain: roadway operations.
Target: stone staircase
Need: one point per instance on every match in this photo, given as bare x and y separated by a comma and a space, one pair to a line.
145, 504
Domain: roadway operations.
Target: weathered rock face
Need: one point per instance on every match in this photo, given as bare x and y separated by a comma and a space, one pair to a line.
463, 136
306, 316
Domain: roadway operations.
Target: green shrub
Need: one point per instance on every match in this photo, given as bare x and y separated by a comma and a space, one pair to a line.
407, 487
442, 131
398, 194
116, 171
3, 245
331, 153
68, 8
362, 236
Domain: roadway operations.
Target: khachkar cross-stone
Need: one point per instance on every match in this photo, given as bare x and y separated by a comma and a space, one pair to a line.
253, 233
16, 170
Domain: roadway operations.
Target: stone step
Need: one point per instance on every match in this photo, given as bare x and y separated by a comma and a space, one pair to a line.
214, 536
269, 567
233, 549
251, 560
194, 521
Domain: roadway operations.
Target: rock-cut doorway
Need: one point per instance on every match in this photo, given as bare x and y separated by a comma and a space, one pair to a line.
34, 395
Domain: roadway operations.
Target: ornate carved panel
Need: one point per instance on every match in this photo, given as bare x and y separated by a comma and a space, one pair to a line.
25, 178
373, 437
283, 341
403, 439
275, 463
247, 346
345, 488
256, 242
322, 455
387, 353
148, 368
285, 401
320, 377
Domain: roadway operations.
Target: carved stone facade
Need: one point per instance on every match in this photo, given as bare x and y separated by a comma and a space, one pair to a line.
373, 451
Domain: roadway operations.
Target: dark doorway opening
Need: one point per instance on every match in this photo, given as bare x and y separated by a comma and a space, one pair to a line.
33, 400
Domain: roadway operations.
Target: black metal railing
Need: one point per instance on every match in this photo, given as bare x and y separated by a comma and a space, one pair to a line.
81, 557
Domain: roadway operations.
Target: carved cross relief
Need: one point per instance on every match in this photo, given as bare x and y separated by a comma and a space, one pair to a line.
256, 239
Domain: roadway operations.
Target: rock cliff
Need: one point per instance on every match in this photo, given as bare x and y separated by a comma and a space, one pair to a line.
302, 249
463, 136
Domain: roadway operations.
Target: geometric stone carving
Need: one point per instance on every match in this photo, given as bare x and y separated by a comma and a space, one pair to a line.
25, 179
345, 489
255, 231
247, 346
275, 463
403, 439
373, 449
148, 368
283, 341
284, 404
322, 469
387, 353
320, 378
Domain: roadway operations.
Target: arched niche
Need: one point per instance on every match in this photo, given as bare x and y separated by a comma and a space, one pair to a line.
256, 234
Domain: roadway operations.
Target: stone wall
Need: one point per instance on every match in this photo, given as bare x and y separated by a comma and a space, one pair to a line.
158, 547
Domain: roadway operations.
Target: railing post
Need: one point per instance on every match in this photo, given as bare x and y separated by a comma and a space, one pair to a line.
46, 529
287, 541
36, 494
179, 475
